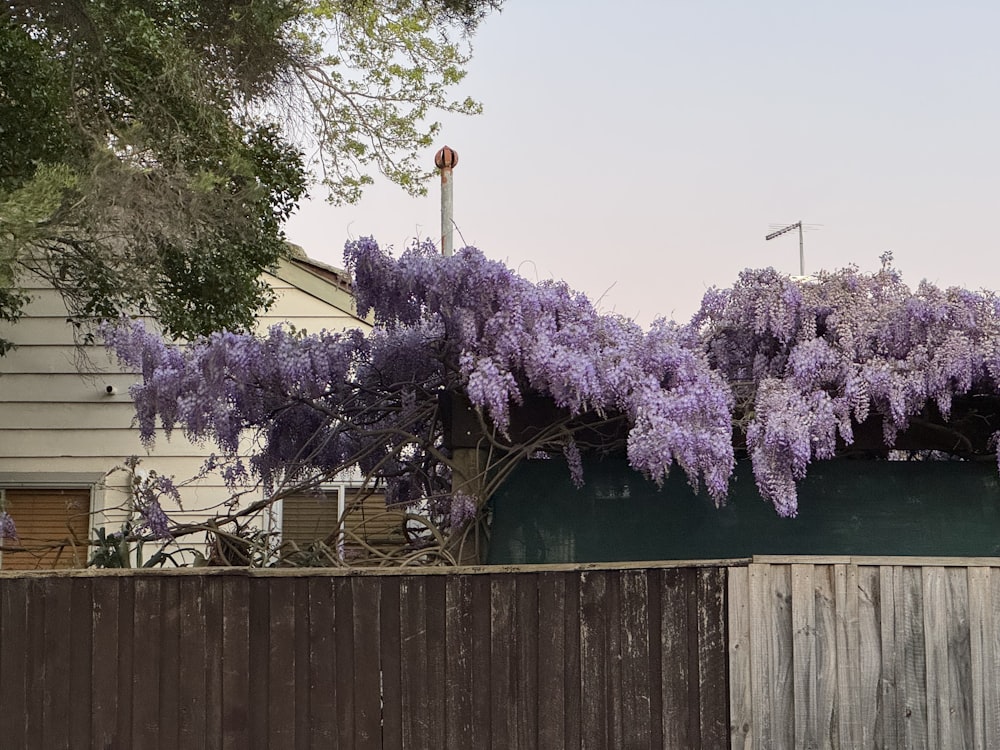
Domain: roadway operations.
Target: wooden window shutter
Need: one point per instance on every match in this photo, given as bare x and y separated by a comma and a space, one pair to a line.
53, 526
308, 518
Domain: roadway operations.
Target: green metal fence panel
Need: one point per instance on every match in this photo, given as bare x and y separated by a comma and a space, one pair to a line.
846, 507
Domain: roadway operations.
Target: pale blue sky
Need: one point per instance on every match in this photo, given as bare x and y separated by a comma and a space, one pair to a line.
642, 150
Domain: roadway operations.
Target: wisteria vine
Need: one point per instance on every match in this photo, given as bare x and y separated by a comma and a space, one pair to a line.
786, 369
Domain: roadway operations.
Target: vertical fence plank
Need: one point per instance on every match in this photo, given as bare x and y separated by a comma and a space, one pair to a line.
911, 650
322, 664
13, 660
56, 630
434, 622
258, 665
80, 707
343, 629
526, 659
413, 651
460, 680
126, 663
848, 693
825, 607
390, 609
552, 673
277, 653
869, 655
740, 700
105, 644
593, 661
503, 669
676, 678
959, 672
194, 663
712, 669
888, 719
236, 684
804, 672
35, 646
992, 665
634, 635
168, 719
147, 662
482, 668
212, 593
574, 677
367, 663
760, 655
303, 675
782, 700
939, 698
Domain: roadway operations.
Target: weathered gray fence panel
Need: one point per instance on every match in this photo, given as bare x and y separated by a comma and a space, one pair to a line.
884, 653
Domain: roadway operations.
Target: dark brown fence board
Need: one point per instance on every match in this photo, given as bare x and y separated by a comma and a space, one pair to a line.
104, 665
634, 637
236, 696
551, 663
194, 664
55, 659
35, 701
460, 681
343, 635
79, 615
367, 664
613, 687
281, 665
322, 665
676, 682
713, 674
413, 662
214, 608
594, 626
482, 667
13, 657
390, 648
574, 683
303, 674
503, 678
147, 661
170, 676
259, 663
434, 619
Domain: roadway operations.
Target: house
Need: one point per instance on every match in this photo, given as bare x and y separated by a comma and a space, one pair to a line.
66, 423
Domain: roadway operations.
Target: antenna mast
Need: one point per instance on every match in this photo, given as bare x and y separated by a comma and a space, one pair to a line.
802, 254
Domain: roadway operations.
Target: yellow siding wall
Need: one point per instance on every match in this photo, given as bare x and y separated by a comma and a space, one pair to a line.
58, 424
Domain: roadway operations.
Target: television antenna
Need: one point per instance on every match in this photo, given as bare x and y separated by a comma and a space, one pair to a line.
780, 230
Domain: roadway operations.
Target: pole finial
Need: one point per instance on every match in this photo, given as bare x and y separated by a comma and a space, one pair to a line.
446, 158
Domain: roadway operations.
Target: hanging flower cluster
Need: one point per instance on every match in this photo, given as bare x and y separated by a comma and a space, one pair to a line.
823, 355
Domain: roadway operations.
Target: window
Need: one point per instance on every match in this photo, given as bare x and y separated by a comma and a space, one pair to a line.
53, 526
308, 518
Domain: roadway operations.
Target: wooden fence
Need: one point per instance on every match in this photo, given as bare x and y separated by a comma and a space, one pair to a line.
631, 656
865, 653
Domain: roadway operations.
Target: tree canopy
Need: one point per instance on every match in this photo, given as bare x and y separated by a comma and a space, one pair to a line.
468, 356
150, 150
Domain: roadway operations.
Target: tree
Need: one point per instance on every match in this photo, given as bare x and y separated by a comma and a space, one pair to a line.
167, 138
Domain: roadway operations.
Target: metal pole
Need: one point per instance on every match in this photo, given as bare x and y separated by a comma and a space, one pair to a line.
802, 253
445, 160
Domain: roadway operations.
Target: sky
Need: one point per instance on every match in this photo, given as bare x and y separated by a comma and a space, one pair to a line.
641, 151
